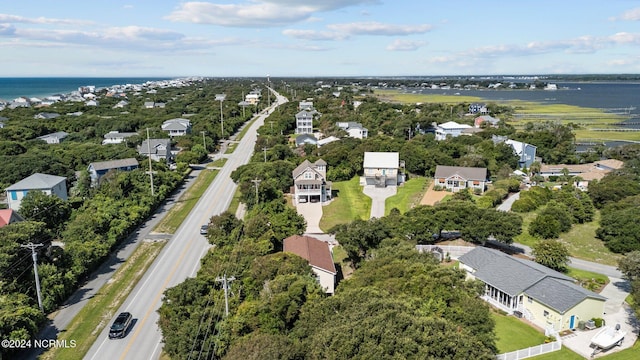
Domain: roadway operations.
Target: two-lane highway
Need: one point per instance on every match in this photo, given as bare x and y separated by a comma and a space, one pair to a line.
179, 260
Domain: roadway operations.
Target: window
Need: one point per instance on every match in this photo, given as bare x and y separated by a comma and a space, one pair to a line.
308, 175
14, 195
545, 313
529, 300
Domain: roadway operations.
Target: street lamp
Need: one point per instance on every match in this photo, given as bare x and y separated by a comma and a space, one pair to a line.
221, 97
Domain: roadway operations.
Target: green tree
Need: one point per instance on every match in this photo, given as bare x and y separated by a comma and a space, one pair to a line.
552, 254
545, 226
49, 209
630, 265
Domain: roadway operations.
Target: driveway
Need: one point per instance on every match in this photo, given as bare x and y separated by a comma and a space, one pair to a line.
312, 212
615, 312
378, 196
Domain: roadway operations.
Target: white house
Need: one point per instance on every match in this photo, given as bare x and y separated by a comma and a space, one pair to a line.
53, 138
354, 129
310, 182
304, 121
381, 168
319, 256
48, 184
450, 128
115, 137
305, 105
177, 127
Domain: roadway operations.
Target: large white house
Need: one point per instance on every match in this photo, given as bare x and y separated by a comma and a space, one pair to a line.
310, 182
48, 184
177, 127
381, 168
450, 128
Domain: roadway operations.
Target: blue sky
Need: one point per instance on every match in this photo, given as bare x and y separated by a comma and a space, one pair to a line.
318, 37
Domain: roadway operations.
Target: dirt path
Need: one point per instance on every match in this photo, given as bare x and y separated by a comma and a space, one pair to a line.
432, 197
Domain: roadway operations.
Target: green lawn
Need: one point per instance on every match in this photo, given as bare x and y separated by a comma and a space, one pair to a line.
566, 354
514, 334
349, 204
185, 204
408, 196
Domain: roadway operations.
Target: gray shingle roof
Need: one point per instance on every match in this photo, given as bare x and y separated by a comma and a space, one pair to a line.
468, 173
114, 164
37, 181
515, 276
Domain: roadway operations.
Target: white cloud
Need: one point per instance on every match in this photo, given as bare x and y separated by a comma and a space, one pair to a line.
314, 35
6, 18
405, 45
256, 13
377, 28
629, 15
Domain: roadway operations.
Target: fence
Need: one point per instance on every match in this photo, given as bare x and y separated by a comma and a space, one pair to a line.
531, 352
453, 251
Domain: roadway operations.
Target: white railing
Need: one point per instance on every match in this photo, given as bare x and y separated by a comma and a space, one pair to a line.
531, 352
454, 251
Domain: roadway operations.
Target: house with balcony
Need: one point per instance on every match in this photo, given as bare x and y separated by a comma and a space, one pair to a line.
310, 182
177, 127
98, 169
524, 288
304, 121
318, 254
456, 178
48, 184
477, 108
381, 168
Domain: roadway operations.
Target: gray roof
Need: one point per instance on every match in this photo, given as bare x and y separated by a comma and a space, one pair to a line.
60, 135
468, 173
515, 276
114, 164
307, 165
154, 144
306, 138
38, 181
119, 135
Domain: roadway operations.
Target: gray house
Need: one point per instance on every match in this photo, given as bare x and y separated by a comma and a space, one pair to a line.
456, 178
53, 138
99, 169
158, 149
526, 153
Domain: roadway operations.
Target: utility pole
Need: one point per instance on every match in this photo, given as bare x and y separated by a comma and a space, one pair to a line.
256, 182
221, 97
34, 255
269, 90
204, 142
225, 285
264, 149
271, 122
150, 168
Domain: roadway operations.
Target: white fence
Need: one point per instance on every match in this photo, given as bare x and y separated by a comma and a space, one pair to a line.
531, 352
453, 251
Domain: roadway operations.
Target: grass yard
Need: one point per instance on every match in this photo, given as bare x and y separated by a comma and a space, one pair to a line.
582, 243
408, 196
101, 308
580, 240
349, 204
185, 204
589, 280
513, 334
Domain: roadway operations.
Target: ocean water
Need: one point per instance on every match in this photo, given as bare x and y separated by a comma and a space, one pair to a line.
11, 88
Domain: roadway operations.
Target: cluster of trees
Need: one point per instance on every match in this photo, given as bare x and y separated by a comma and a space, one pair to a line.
398, 303
78, 234
617, 195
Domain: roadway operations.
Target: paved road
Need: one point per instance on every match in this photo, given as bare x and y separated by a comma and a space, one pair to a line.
179, 260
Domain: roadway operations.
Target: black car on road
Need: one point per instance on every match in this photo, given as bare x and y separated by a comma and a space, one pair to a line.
120, 326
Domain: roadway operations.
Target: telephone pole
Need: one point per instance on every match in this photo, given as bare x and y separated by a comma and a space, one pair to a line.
204, 142
34, 255
221, 97
256, 182
150, 168
264, 149
225, 285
